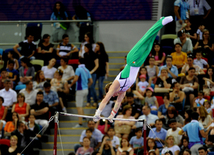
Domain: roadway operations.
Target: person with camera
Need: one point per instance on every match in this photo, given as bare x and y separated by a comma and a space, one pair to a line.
106, 147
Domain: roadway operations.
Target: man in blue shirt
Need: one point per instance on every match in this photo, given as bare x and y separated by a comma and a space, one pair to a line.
83, 80
195, 132
158, 133
181, 9
172, 70
51, 97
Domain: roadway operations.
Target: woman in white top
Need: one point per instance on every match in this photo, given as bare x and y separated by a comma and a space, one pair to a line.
170, 146
68, 71
88, 40
39, 81
205, 119
125, 146
50, 69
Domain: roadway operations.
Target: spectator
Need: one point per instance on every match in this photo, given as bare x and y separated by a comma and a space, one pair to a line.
150, 118
51, 97
158, 54
176, 96
181, 10
162, 110
114, 139
186, 152
152, 69
66, 49
199, 61
187, 116
142, 84
21, 107
202, 151
189, 64
3, 114
88, 38
197, 14
199, 101
150, 99
29, 93
10, 56
206, 46
45, 49
137, 141
35, 128
39, 81
92, 64
200, 30
207, 106
13, 149
184, 41
158, 133
179, 58
9, 95
170, 145
142, 71
163, 81
4, 76
12, 73
59, 29
23, 134
190, 33
136, 109
205, 119
172, 70
103, 69
106, 147
173, 131
189, 85
28, 48
93, 141
125, 146
68, 71
40, 111
173, 114
123, 128
83, 79
169, 153
49, 70
195, 139
11, 125
96, 134
184, 144
151, 146
61, 87
208, 80
26, 71
85, 149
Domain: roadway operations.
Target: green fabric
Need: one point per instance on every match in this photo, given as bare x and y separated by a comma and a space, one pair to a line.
64, 26
142, 48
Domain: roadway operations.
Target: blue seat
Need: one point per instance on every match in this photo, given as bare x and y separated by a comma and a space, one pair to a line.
20, 87
211, 153
10, 49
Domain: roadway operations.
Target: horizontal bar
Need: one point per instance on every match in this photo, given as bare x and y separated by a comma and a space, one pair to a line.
44, 21
12, 44
115, 119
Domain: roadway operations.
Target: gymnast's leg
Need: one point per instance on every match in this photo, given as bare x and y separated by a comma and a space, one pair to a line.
135, 58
